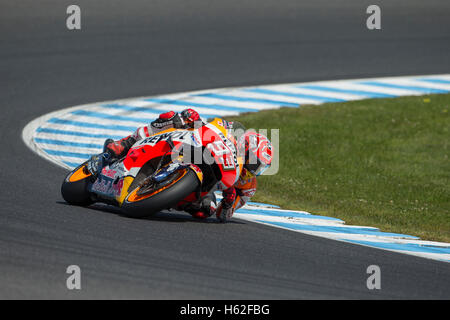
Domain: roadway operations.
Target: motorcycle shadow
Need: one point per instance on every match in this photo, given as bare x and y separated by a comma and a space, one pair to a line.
165, 216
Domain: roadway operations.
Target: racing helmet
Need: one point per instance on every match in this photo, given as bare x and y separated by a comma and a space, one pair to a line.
257, 151
190, 116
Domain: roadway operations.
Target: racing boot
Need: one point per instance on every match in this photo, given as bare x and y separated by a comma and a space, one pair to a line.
205, 208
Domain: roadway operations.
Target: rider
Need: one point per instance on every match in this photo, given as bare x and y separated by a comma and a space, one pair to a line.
257, 149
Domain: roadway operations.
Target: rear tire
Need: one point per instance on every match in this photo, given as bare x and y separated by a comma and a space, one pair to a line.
75, 192
163, 199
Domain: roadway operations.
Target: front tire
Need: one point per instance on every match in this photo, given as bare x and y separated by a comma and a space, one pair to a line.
139, 207
74, 187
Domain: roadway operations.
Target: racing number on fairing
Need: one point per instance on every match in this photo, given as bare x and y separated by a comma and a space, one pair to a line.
222, 151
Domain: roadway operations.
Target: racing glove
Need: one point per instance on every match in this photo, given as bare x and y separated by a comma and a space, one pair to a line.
168, 120
96, 163
118, 149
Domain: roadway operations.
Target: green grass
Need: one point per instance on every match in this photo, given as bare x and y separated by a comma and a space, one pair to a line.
379, 162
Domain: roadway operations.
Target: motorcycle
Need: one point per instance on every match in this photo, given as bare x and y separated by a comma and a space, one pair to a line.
168, 170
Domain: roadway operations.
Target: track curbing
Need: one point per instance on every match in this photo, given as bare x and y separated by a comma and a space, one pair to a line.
67, 137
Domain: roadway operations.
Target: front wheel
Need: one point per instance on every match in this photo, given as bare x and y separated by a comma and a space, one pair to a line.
143, 202
74, 187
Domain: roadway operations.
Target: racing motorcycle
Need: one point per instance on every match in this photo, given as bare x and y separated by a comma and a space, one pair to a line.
168, 170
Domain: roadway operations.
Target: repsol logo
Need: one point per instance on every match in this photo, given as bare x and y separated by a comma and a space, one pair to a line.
180, 135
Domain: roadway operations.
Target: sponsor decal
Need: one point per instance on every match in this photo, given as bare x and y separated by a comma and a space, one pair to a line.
109, 172
198, 172
175, 135
160, 125
108, 186
196, 139
224, 155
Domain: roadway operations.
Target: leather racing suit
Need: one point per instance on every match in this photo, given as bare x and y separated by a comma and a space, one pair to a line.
233, 197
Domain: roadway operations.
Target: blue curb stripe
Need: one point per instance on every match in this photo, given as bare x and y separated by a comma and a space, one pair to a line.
247, 99
68, 143
367, 94
91, 125
294, 95
131, 108
76, 133
72, 164
201, 105
403, 246
337, 229
68, 154
396, 86
155, 112
435, 80
137, 109
278, 213
100, 115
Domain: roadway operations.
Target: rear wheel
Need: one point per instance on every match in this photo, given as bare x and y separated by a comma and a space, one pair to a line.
74, 187
147, 200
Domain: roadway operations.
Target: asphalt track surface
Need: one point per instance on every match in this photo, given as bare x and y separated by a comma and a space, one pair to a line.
136, 48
